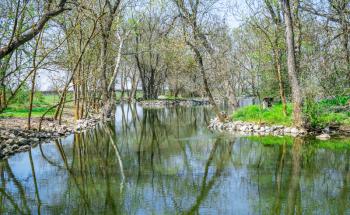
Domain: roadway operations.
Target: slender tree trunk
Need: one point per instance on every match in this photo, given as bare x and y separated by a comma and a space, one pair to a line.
298, 32
278, 65
135, 81
231, 95
345, 42
3, 88
292, 73
31, 98
199, 60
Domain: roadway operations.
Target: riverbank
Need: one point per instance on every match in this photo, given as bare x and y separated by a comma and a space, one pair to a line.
14, 137
160, 103
327, 117
249, 128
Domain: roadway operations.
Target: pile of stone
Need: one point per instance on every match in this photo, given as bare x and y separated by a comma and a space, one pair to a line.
13, 140
252, 128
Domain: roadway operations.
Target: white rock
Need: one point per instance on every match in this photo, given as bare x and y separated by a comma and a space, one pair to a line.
294, 131
287, 130
323, 137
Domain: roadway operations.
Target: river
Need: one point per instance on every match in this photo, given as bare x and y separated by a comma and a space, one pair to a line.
165, 161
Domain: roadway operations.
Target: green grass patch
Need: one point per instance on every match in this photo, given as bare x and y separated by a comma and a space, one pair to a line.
318, 114
272, 116
23, 113
20, 105
118, 95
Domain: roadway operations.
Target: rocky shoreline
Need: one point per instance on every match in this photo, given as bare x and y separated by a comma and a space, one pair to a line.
14, 138
248, 128
171, 102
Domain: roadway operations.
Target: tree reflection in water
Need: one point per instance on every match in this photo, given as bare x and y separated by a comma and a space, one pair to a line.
165, 161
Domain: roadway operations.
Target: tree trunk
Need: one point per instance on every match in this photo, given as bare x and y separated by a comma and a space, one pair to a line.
292, 73
199, 60
31, 98
231, 96
345, 41
280, 81
135, 81
3, 89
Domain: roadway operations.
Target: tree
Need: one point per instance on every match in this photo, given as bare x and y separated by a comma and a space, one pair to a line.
19, 37
189, 13
291, 63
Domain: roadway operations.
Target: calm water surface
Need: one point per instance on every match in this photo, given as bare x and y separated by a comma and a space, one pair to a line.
165, 161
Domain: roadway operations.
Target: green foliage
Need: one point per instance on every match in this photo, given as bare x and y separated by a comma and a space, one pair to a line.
322, 113
312, 112
22, 96
273, 115
336, 101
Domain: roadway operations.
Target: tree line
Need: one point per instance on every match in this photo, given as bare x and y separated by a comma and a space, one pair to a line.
290, 49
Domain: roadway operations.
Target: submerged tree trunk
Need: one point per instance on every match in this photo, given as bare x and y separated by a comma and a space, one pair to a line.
292, 73
294, 184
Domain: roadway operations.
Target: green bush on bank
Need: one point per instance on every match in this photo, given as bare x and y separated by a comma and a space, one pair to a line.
327, 111
318, 114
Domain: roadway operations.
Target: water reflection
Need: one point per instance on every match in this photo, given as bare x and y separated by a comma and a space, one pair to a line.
165, 161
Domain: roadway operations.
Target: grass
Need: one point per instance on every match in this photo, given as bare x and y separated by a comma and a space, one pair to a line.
273, 115
23, 113
118, 95
318, 114
41, 104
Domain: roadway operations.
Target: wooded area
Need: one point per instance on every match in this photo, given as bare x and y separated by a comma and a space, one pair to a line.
295, 50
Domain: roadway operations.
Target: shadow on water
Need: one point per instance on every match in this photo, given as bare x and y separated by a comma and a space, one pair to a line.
165, 161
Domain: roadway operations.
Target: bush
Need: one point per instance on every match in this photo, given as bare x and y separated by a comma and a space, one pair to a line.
312, 112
